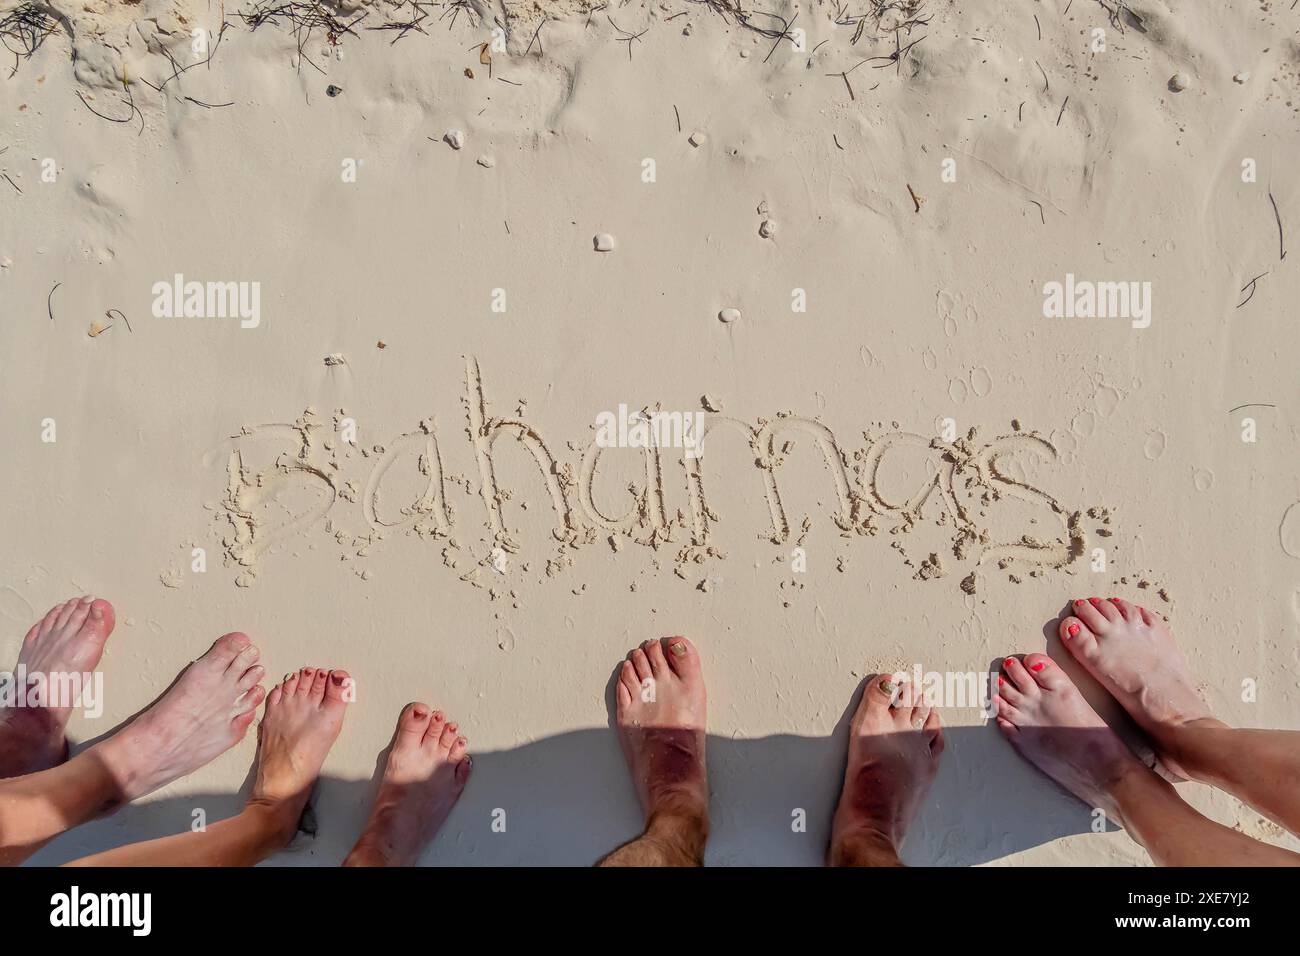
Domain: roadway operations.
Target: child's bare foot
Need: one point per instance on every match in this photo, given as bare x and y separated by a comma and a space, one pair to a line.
1048, 722
205, 713
303, 717
68, 641
426, 771
660, 711
1130, 651
894, 748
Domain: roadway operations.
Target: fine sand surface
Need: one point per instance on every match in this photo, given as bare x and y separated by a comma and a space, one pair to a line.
474, 548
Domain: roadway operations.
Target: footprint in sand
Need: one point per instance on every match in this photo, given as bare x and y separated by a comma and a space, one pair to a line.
1203, 479
1289, 531
981, 381
1155, 444
957, 390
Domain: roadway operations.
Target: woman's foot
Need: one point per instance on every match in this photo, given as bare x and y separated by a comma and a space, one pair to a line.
1048, 722
428, 765
303, 717
660, 710
68, 641
205, 713
1130, 651
894, 747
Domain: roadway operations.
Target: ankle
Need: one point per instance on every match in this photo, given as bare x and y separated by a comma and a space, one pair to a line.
682, 830
277, 820
863, 844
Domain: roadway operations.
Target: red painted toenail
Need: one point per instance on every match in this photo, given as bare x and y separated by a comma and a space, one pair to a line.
1001, 682
1079, 603
1038, 667
1072, 630
1096, 602
1008, 662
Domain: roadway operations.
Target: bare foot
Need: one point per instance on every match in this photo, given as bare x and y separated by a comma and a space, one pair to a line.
68, 641
1048, 722
303, 717
894, 747
205, 713
1130, 651
660, 711
426, 771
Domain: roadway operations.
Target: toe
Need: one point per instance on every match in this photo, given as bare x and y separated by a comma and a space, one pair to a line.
414, 721
1079, 638
244, 660
226, 648
437, 721
66, 610
463, 769
654, 650
1108, 610
102, 616
251, 676
1092, 616
458, 748
52, 615
1019, 677
250, 700
273, 699
629, 681
879, 694
933, 730
80, 611
641, 663
1127, 612
1007, 712
336, 688
449, 733
306, 678
1044, 671
1148, 618
1007, 691
289, 683
622, 694
318, 685
683, 658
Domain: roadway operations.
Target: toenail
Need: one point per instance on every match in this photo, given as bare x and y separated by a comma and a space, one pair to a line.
1079, 603
337, 679
678, 648
888, 686
420, 712
1038, 667
1001, 682
1096, 602
437, 715
1008, 662
1072, 630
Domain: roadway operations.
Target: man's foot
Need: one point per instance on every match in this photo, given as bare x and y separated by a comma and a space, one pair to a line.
68, 640
205, 713
894, 747
427, 768
303, 717
660, 711
1048, 722
1130, 651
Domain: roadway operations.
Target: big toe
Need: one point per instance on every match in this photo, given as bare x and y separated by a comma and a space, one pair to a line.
338, 688
101, 620
683, 658
226, 648
413, 722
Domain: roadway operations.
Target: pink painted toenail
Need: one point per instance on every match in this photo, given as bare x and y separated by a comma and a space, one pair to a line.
1078, 603
1038, 667
1096, 602
1072, 630
1001, 682
1008, 662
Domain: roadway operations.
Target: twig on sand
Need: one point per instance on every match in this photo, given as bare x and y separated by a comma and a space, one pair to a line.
26, 27
837, 140
12, 183
1251, 405
129, 100
625, 37
916, 200
49, 300
1062, 113
1039, 25
1040, 210
304, 19
206, 106
537, 38
777, 42
1281, 243
1046, 86
119, 314
1020, 117
679, 118
1251, 286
